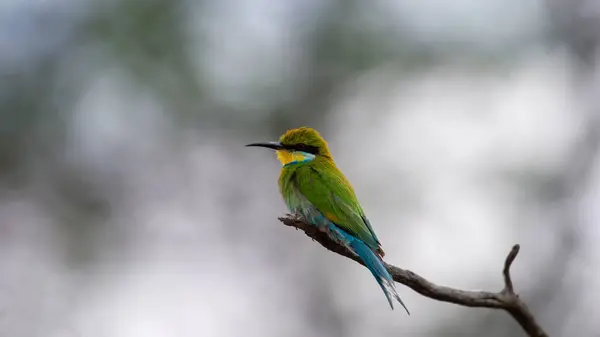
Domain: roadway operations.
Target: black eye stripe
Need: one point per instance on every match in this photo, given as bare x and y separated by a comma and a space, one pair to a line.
303, 147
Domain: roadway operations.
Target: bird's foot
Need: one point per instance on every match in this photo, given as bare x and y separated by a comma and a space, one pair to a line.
324, 229
295, 216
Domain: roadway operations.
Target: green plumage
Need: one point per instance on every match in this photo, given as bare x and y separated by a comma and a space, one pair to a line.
326, 188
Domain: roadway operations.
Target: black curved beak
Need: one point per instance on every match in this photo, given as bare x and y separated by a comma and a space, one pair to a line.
270, 145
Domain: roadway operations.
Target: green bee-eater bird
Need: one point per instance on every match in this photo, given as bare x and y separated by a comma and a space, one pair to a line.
312, 186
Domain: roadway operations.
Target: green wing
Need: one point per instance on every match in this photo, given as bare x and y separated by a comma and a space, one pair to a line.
326, 188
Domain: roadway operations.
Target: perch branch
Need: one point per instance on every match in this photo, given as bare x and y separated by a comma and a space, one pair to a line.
506, 299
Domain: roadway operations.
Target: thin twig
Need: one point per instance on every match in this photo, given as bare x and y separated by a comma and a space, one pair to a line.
506, 299
508, 285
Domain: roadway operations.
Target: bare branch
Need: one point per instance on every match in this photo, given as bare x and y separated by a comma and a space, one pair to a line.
506, 299
508, 285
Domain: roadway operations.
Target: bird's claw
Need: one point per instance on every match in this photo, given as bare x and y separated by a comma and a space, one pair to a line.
295, 216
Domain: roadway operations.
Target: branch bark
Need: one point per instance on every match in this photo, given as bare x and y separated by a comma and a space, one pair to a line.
506, 299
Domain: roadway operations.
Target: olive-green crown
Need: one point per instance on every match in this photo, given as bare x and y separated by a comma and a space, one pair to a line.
305, 139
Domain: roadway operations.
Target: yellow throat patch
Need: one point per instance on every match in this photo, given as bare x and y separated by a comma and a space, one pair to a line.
292, 157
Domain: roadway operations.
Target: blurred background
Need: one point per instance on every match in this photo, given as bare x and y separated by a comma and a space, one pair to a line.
130, 207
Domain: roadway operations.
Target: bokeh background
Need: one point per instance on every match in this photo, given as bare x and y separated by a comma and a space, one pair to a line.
130, 208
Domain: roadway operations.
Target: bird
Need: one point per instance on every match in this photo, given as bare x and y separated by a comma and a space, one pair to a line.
313, 187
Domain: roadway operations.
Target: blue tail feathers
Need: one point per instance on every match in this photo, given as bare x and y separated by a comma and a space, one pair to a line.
373, 263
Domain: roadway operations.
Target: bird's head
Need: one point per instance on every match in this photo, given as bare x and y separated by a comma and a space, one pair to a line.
298, 146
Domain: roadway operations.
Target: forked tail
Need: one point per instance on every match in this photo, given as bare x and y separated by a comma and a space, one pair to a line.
373, 263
